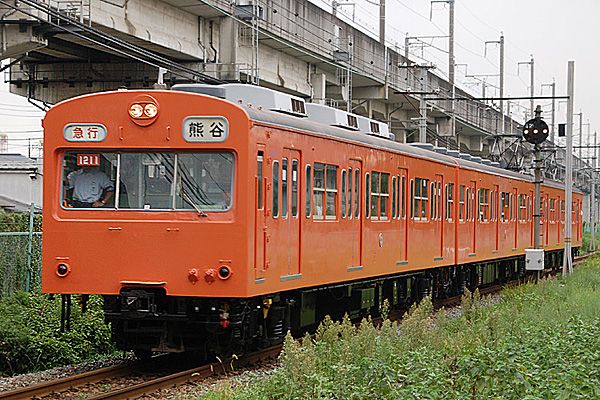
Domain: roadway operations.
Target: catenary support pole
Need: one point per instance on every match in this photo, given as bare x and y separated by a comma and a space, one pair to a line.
593, 196
567, 258
423, 107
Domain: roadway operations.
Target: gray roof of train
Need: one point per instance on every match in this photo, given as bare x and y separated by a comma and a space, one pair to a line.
280, 119
304, 124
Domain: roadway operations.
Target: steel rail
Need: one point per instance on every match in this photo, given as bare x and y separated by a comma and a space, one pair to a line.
46, 388
189, 375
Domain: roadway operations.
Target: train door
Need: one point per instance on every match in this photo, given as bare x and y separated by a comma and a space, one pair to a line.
437, 213
290, 224
403, 204
472, 214
514, 215
496, 212
260, 228
354, 217
545, 219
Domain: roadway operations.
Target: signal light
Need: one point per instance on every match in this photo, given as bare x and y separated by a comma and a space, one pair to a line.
224, 272
62, 270
535, 130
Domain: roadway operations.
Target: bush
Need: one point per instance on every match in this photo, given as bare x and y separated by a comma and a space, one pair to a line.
30, 337
540, 342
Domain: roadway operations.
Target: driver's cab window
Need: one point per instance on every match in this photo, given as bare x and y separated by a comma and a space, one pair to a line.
201, 181
89, 180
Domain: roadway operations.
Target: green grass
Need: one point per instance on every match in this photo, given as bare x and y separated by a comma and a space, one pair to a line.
539, 342
30, 337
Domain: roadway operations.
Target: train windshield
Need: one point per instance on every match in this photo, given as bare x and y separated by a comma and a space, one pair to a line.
201, 181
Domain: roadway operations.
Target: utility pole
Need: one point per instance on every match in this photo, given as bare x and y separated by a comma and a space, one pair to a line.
553, 112
567, 260
501, 72
423, 106
580, 114
451, 60
382, 22
593, 197
531, 80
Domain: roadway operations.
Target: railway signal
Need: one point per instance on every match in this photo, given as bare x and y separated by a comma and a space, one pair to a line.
536, 130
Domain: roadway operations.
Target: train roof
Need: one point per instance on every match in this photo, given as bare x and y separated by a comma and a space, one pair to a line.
303, 124
294, 121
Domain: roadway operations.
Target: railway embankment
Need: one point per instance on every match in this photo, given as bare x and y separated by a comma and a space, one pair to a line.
537, 341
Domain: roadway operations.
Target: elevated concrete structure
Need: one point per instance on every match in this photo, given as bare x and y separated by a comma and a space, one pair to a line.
66, 48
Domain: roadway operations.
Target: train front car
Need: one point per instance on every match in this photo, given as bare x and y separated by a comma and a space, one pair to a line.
143, 204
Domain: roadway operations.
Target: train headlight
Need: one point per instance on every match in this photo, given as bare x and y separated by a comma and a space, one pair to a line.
143, 110
136, 110
224, 272
150, 110
62, 270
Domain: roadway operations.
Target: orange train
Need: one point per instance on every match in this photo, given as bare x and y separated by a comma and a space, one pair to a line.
220, 217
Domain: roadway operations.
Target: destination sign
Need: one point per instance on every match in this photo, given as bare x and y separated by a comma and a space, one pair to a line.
205, 129
84, 132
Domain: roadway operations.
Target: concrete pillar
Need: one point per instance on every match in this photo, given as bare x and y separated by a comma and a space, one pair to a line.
318, 81
225, 39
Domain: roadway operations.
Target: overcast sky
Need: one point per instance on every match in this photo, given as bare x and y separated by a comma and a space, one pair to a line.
554, 31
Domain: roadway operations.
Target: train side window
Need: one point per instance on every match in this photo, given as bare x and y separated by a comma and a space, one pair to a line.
403, 197
295, 178
356, 193
484, 204
318, 190
275, 199
439, 200
349, 192
468, 204
344, 193
522, 212
309, 191
367, 195
374, 194
412, 199
421, 198
552, 212
331, 191
449, 201
492, 205
461, 203
259, 186
394, 196
384, 195
432, 210
284, 188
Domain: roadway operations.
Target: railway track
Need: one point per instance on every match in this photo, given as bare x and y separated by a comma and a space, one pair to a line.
62, 387
55, 388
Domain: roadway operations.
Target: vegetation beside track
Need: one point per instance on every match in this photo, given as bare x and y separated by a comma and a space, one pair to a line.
539, 342
30, 337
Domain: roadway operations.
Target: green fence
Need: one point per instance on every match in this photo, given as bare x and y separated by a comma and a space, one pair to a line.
20, 261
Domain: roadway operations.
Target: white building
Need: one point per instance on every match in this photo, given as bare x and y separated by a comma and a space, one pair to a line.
20, 182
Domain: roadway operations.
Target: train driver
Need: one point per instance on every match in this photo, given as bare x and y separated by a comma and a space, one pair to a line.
90, 187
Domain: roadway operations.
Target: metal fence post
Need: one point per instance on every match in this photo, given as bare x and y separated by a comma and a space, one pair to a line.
29, 249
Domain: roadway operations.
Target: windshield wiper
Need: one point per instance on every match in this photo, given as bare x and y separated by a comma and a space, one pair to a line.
187, 198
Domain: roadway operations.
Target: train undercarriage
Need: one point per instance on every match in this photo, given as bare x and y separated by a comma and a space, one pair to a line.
146, 320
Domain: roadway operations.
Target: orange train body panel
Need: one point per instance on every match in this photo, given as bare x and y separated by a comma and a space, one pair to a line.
109, 249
